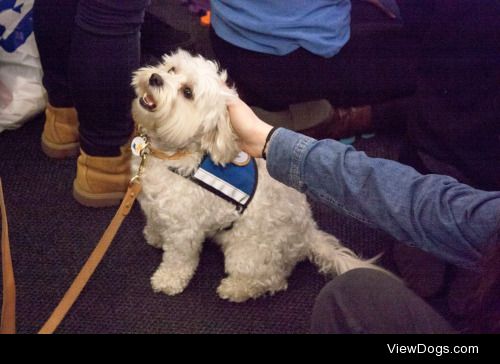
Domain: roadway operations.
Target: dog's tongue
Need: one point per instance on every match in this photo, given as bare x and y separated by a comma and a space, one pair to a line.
148, 99
148, 102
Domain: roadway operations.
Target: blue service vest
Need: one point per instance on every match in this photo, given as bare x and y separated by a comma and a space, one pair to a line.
234, 183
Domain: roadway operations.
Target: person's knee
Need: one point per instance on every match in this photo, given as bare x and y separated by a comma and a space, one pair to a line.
114, 17
340, 305
358, 281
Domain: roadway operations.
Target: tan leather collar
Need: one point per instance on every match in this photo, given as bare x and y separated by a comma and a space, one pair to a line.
164, 156
140, 132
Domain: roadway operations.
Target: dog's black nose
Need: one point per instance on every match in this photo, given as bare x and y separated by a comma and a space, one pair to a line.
156, 80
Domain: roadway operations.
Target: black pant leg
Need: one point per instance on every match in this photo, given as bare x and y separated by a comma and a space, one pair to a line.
372, 302
105, 51
53, 23
457, 125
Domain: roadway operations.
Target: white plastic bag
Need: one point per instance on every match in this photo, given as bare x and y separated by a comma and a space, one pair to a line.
21, 92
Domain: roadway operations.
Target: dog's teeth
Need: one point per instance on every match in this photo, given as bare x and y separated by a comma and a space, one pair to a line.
148, 100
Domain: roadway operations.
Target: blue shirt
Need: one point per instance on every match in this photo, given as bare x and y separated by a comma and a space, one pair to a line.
279, 27
433, 212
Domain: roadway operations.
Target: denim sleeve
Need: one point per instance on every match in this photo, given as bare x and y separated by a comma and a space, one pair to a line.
432, 212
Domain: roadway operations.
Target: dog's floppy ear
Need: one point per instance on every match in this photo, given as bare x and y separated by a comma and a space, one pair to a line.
220, 141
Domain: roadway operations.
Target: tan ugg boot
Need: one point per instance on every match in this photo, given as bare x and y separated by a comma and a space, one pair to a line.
102, 181
60, 132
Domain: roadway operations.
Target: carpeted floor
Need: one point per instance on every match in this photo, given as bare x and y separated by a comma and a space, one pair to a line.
52, 235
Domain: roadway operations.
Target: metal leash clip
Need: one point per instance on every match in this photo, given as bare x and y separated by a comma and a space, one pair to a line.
140, 148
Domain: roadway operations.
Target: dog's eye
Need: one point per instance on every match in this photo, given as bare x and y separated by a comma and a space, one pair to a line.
171, 70
187, 92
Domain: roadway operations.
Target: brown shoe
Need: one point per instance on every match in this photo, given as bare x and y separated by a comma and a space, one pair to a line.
346, 122
102, 181
60, 132
298, 116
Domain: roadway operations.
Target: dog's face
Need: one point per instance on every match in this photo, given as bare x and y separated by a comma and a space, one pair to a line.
182, 103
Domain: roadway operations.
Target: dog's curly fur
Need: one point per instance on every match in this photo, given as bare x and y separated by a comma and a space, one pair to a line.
276, 230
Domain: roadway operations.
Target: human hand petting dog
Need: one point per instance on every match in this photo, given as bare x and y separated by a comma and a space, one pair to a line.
251, 131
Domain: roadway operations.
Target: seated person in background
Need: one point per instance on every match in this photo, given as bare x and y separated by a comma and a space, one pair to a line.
298, 58
455, 126
436, 213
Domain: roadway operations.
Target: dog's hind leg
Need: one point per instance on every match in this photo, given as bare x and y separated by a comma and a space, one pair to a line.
252, 270
180, 260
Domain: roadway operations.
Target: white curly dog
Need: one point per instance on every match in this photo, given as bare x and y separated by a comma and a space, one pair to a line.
181, 104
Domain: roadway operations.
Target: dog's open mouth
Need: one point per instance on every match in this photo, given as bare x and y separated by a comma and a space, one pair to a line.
148, 102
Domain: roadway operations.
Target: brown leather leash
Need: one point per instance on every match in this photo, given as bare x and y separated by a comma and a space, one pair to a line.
8, 325
8, 322
92, 262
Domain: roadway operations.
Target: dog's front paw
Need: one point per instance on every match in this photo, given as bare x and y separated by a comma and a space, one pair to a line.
168, 282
